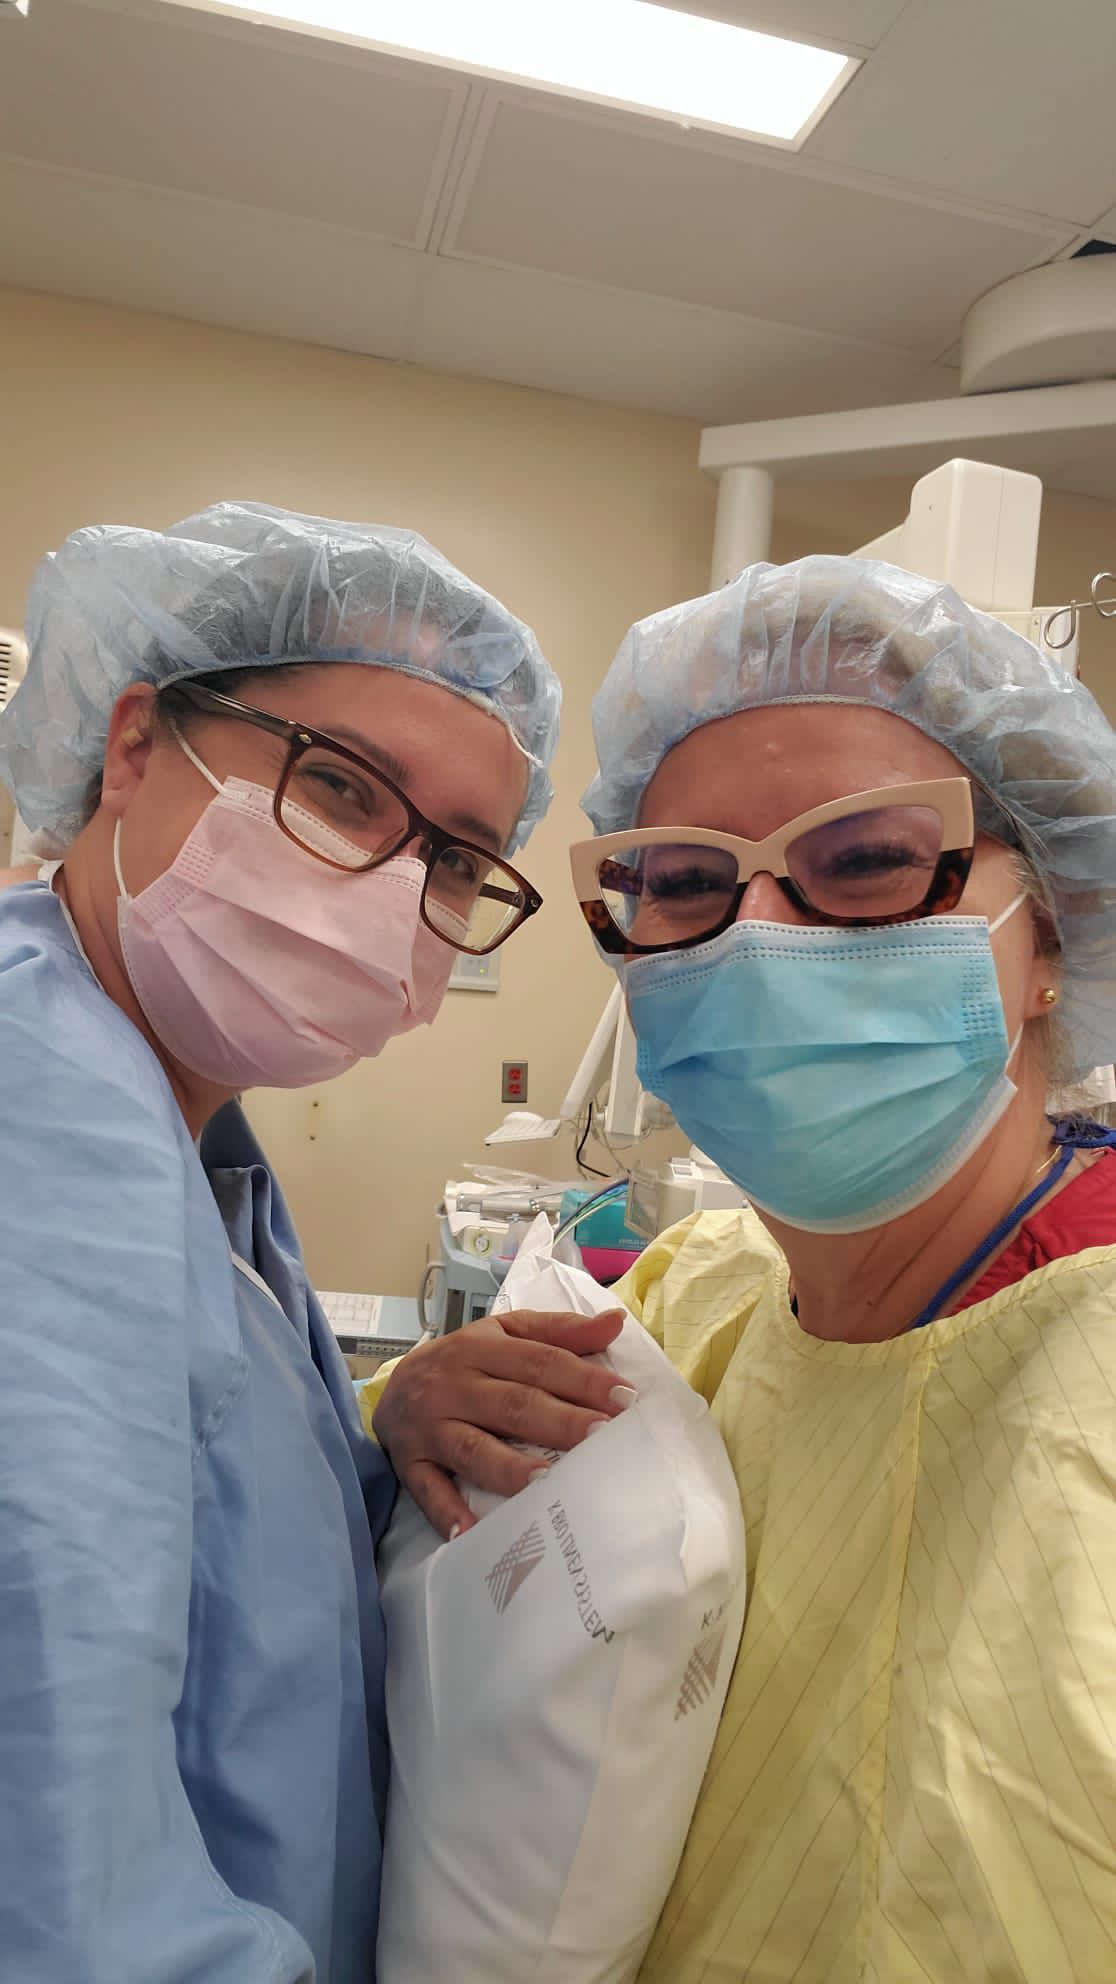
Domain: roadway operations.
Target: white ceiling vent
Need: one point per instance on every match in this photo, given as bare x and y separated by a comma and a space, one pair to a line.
13, 663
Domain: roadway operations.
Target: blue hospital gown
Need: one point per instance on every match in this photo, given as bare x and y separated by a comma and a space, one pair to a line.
193, 1758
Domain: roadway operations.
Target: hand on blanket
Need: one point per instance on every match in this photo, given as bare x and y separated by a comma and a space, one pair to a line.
452, 1405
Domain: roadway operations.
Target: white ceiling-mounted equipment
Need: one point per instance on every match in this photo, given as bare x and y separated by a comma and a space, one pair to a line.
1052, 326
973, 526
976, 528
13, 656
13, 7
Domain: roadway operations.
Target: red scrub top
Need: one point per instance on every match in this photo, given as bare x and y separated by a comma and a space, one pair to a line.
1083, 1215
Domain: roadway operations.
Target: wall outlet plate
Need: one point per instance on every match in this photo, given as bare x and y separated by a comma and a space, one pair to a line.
513, 1081
471, 974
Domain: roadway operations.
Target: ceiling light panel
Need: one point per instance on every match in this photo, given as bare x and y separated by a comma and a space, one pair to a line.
628, 54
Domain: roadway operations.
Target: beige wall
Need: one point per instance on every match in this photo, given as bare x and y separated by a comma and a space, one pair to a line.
581, 517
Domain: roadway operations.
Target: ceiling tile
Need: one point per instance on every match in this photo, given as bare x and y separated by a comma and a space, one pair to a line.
639, 351
220, 264
204, 259
557, 190
268, 123
1008, 101
863, 22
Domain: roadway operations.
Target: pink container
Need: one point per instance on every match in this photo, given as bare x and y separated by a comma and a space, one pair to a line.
607, 1264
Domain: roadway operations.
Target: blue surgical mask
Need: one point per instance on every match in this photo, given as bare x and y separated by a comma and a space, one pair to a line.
839, 1077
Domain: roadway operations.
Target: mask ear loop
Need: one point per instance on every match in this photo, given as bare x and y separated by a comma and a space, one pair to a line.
199, 764
1002, 918
121, 890
206, 774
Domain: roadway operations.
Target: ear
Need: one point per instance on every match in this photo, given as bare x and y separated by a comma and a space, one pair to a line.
128, 751
1044, 984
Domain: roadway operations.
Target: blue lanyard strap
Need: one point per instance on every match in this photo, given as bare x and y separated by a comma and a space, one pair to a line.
1082, 1133
1071, 1133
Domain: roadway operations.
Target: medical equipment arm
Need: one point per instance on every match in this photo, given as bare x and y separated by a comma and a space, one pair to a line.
105, 1874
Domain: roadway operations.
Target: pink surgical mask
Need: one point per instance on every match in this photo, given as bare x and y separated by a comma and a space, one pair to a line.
257, 965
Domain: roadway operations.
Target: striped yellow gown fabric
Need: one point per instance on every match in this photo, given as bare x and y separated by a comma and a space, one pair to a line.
914, 1780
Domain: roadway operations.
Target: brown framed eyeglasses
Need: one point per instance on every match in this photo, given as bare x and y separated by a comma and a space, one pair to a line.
350, 815
885, 856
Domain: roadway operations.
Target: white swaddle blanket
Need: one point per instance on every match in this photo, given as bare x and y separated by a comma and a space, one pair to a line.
555, 1679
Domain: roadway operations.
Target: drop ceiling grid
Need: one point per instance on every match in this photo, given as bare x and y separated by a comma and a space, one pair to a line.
388, 74
458, 165
535, 329
224, 264
269, 124
1105, 225
579, 197
855, 25
294, 239
215, 261
1008, 101
634, 127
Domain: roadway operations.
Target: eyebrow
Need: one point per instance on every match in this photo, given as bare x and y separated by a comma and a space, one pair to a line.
385, 760
468, 824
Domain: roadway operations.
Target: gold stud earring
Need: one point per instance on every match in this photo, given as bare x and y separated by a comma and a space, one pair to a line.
1048, 996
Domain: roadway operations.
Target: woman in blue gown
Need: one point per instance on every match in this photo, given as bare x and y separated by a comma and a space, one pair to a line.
287, 760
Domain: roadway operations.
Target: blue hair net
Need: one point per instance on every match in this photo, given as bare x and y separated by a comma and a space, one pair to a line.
244, 586
851, 630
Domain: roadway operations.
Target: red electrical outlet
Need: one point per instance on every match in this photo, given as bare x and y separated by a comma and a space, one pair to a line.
513, 1087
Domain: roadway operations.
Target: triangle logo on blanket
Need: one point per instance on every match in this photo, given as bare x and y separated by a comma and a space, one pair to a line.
516, 1564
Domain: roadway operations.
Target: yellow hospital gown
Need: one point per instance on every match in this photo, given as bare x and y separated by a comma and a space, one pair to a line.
914, 1781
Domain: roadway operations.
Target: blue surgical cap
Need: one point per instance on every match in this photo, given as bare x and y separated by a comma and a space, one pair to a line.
244, 586
851, 630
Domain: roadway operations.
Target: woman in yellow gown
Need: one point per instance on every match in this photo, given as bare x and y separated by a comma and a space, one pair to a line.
856, 867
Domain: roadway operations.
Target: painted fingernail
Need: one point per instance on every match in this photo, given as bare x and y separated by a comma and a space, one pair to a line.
538, 1474
622, 1397
594, 1426
455, 1532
